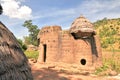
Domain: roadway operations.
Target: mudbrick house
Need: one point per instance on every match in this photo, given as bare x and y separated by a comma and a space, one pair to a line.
78, 45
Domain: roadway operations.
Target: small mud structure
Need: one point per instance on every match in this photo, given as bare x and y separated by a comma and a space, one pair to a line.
79, 45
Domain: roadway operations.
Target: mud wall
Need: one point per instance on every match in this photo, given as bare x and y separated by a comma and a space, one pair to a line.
60, 46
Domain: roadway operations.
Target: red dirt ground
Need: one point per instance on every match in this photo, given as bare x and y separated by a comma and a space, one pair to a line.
52, 72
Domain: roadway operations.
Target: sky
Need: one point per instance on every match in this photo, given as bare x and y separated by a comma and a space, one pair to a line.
54, 12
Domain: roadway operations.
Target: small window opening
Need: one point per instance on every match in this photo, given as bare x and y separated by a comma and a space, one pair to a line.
83, 61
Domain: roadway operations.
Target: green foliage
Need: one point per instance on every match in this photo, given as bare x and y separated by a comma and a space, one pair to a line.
108, 30
33, 32
101, 69
104, 44
1, 9
100, 22
22, 45
32, 54
27, 40
110, 40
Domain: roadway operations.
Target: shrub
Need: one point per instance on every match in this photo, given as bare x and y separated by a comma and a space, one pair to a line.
101, 69
22, 45
32, 54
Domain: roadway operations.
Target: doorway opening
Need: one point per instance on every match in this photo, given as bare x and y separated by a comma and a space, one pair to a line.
45, 51
83, 61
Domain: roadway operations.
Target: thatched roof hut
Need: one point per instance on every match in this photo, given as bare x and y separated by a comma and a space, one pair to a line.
13, 63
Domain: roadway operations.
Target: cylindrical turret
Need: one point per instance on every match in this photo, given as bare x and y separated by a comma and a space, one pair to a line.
48, 39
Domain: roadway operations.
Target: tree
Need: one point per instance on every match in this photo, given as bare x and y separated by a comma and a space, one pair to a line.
22, 45
27, 40
1, 9
33, 32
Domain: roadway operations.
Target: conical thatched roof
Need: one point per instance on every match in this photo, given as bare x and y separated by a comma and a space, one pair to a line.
13, 63
81, 25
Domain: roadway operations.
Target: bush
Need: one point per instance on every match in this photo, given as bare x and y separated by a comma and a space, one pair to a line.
32, 54
101, 69
22, 45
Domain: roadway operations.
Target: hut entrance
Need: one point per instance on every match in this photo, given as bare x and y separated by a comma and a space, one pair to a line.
45, 50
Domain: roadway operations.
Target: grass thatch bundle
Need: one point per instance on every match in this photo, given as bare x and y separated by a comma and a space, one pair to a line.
13, 63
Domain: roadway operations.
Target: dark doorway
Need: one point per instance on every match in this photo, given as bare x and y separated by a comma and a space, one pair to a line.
83, 61
45, 50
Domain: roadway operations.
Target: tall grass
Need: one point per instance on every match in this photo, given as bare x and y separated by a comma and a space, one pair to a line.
111, 61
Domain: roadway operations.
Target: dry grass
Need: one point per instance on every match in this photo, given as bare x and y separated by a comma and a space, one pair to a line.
111, 62
112, 59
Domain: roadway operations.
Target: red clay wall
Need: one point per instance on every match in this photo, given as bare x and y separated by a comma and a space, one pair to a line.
49, 37
62, 47
66, 44
74, 50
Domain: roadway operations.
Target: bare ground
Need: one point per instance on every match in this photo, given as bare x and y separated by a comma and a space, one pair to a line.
53, 72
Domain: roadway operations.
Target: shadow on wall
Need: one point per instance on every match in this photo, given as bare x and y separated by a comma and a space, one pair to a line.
48, 74
93, 47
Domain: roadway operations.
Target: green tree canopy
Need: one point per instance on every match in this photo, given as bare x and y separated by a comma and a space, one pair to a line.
1, 9
22, 45
109, 30
33, 32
